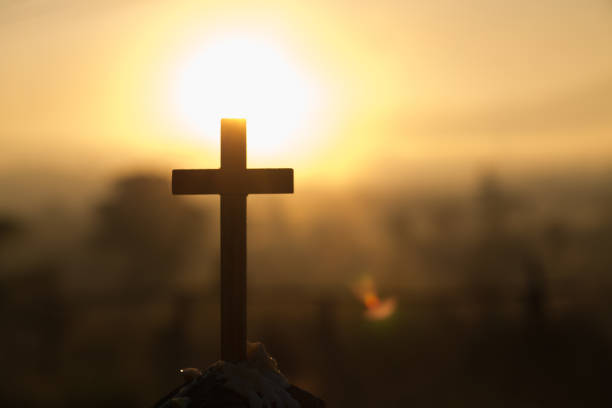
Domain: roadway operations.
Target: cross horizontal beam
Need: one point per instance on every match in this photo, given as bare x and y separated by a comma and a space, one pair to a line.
223, 181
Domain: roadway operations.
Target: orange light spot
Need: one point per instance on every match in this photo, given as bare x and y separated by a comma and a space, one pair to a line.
371, 300
376, 308
383, 310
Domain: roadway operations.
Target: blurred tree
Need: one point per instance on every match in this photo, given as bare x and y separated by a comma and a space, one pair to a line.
152, 232
35, 319
494, 205
9, 227
494, 265
535, 292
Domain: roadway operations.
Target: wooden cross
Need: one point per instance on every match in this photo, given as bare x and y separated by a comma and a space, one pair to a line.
233, 181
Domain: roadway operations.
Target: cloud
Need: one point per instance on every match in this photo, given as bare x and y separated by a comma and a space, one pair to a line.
584, 108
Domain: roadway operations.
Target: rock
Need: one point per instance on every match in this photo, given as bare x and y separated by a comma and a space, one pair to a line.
254, 383
209, 391
190, 374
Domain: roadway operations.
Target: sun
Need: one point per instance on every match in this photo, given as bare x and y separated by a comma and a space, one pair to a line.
244, 77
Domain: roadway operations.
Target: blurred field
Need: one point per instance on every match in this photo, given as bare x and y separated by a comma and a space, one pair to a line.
502, 293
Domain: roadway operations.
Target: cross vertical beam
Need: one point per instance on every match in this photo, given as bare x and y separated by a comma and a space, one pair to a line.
233, 277
233, 145
233, 245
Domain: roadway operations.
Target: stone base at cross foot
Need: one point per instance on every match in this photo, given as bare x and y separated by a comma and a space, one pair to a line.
256, 382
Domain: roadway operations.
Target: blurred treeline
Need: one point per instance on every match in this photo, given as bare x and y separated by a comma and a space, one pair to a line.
503, 293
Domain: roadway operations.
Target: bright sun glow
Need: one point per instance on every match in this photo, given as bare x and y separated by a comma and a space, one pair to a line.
245, 78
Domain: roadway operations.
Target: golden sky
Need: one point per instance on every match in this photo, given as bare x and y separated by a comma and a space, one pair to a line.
356, 87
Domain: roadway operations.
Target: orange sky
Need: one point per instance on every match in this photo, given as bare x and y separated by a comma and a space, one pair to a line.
394, 84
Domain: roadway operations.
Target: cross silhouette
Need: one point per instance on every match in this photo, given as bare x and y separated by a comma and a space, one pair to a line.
233, 181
